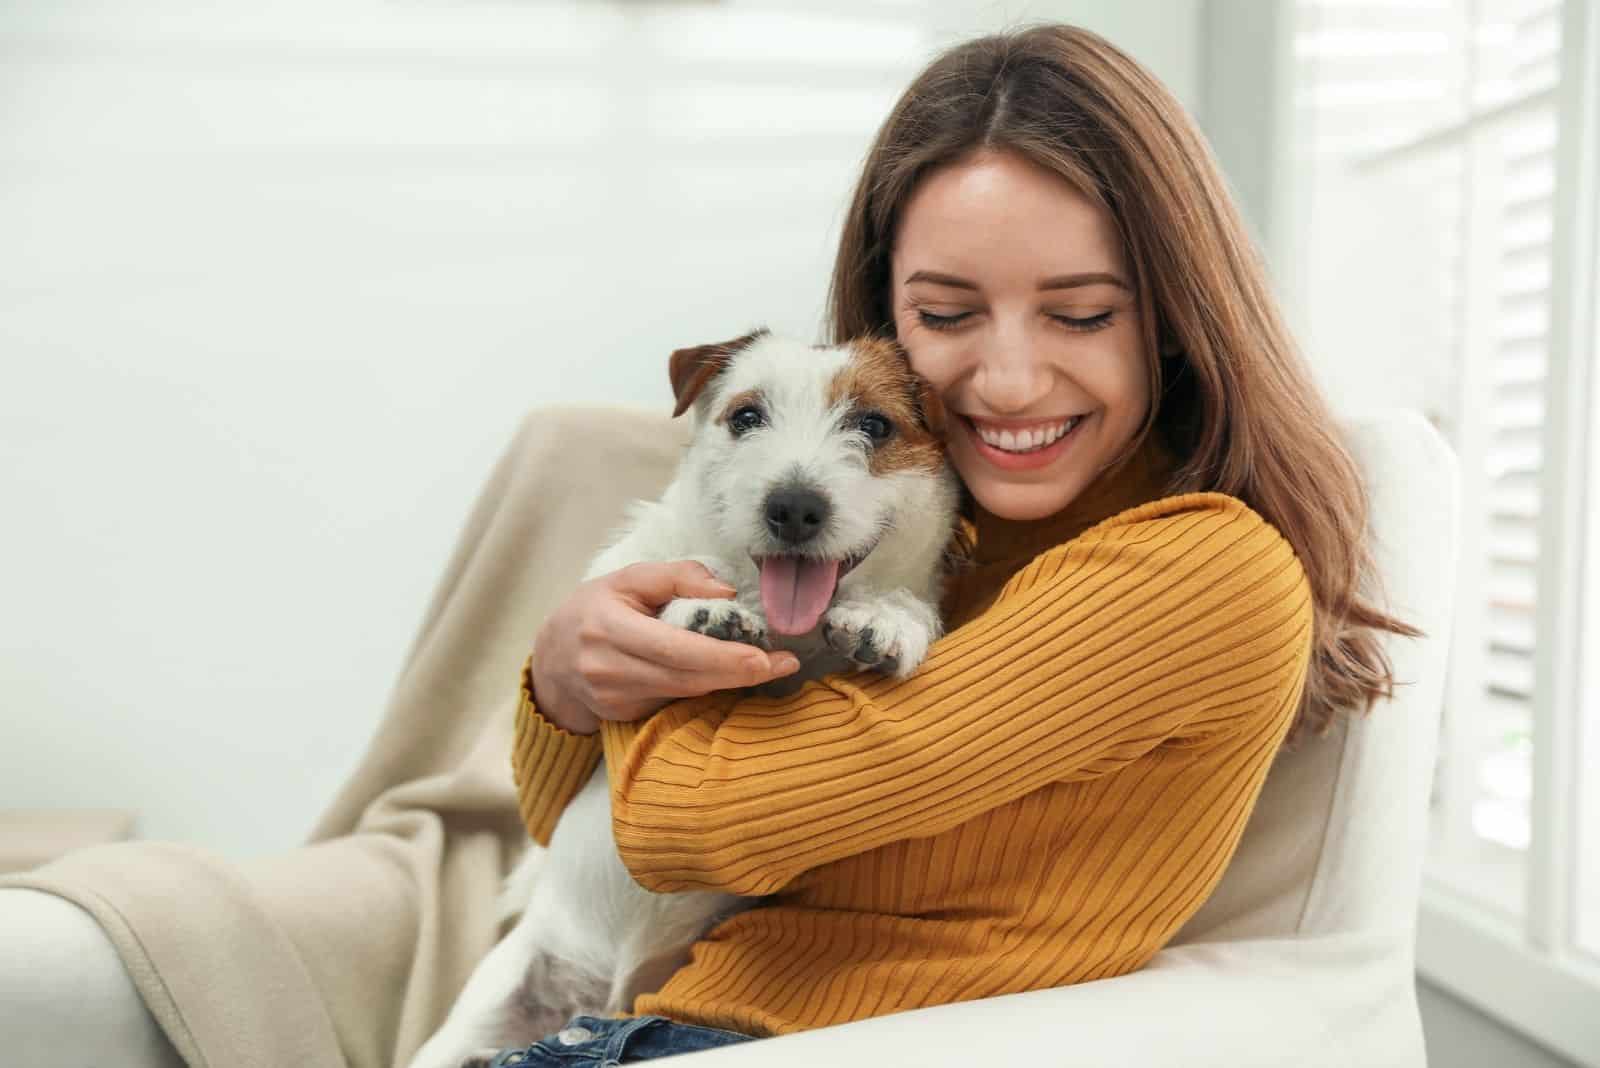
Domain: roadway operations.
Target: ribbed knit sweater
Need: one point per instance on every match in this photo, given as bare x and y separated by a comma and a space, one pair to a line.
1045, 801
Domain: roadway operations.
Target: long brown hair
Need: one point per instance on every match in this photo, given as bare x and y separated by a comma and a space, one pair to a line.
1235, 401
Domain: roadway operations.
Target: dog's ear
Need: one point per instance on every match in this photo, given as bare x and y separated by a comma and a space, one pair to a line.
930, 409
690, 369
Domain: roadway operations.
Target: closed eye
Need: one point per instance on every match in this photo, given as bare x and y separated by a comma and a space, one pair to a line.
950, 322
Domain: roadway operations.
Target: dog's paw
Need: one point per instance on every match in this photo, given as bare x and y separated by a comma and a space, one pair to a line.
891, 634
718, 617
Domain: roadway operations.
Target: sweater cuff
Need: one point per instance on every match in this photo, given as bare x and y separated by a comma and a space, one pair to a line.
616, 738
550, 764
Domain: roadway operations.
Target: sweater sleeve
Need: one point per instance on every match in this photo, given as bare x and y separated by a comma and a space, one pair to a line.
1177, 620
550, 765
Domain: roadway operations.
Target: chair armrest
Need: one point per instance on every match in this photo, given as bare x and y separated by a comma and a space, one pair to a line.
1337, 1001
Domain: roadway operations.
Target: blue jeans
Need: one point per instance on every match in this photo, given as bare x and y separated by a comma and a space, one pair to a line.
597, 1042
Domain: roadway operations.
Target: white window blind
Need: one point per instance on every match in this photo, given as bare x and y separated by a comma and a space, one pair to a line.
1445, 111
1451, 149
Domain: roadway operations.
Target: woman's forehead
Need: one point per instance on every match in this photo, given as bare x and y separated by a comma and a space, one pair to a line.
1001, 213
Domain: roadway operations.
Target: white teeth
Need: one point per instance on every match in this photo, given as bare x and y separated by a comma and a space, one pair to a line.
1027, 440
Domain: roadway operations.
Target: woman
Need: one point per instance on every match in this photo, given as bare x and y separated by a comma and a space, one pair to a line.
1161, 599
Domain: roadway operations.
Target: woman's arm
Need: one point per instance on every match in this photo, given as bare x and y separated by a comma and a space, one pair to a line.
549, 764
1181, 618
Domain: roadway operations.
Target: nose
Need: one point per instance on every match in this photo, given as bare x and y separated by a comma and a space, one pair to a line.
795, 514
1011, 377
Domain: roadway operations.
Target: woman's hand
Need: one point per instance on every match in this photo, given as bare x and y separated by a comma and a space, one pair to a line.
603, 654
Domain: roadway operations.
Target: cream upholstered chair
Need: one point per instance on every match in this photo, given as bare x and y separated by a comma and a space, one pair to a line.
1305, 954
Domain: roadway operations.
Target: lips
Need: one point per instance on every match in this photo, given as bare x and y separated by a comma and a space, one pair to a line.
1033, 460
990, 427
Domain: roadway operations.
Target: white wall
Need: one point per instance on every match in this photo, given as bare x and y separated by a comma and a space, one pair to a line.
278, 282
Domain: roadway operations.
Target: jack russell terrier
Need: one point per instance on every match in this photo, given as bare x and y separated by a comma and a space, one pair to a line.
816, 484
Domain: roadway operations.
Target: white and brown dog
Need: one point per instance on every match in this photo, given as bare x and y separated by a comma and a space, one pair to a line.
816, 484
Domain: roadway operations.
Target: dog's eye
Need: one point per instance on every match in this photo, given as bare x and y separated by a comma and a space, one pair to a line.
877, 427
746, 418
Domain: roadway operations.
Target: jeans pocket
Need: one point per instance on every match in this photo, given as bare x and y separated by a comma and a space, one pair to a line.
661, 1037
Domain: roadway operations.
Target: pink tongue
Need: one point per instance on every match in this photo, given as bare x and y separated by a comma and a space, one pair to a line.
795, 591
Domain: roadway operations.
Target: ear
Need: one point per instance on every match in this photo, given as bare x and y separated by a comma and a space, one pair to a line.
930, 408
691, 369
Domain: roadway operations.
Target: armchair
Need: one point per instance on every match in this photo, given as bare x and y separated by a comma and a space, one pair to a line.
348, 951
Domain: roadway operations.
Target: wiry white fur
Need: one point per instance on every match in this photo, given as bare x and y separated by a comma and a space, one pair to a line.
591, 939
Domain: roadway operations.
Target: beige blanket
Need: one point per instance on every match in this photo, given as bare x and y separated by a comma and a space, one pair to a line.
351, 948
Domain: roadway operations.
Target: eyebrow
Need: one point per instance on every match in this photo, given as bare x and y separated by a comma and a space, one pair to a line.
1060, 281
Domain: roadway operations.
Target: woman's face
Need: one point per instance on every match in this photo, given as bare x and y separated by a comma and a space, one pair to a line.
1011, 296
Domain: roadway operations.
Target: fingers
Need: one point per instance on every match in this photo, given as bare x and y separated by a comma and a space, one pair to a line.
646, 655
654, 584
689, 664
668, 683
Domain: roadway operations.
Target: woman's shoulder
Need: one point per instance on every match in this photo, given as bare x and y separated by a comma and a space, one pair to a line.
1180, 504
1199, 587
1203, 526
1181, 509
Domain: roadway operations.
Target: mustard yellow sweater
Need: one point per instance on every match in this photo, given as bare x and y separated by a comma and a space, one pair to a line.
1045, 802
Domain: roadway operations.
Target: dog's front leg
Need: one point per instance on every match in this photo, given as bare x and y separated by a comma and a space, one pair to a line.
888, 632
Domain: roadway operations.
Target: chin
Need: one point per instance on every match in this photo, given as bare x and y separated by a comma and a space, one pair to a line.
1024, 503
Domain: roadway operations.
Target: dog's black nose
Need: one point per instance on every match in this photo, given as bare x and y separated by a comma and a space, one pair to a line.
796, 515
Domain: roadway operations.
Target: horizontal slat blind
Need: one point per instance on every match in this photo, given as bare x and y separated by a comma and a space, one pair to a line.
1518, 61
1450, 104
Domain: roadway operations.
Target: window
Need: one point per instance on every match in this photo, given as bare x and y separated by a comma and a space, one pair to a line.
1447, 149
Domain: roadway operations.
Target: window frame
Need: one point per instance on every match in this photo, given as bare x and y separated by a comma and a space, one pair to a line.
1531, 975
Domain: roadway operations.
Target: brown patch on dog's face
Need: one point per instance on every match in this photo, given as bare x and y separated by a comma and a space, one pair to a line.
690, 369
737, 401
879, 379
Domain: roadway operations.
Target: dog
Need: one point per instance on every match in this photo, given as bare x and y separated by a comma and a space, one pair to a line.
816, 484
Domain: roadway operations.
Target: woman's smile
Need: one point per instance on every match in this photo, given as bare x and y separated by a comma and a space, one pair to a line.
1024, 452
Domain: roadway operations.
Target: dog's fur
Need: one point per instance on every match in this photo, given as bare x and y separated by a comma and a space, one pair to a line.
590, 939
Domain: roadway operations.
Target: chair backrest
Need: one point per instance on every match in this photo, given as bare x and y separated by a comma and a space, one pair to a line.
1337, 839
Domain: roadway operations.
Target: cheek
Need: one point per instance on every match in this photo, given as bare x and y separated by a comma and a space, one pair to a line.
1134, 388
936, 358
1125, 383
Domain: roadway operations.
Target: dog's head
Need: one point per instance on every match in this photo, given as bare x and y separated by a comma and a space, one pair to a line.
817, 461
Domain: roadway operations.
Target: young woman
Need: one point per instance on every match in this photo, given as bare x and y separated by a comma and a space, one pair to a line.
1169, 547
